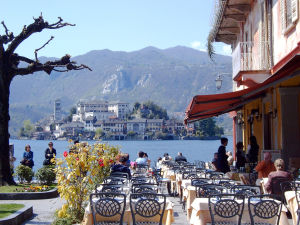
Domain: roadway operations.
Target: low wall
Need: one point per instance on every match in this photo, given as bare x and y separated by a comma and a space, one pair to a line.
18, 217
29, 195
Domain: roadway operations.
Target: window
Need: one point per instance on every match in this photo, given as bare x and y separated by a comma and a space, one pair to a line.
289, 14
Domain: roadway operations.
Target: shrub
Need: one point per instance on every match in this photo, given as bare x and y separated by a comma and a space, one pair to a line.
78, 172
24, 173
46, 175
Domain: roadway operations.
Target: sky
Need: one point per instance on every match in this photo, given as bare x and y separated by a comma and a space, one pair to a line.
118, 25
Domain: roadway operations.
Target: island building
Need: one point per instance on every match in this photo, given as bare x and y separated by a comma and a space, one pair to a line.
264, 36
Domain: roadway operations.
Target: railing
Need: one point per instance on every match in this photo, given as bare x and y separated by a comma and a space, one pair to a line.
250, 56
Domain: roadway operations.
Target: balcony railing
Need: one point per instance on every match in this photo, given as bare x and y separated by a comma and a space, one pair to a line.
251, 56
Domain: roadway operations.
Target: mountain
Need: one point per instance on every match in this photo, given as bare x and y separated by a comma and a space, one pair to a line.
169, 77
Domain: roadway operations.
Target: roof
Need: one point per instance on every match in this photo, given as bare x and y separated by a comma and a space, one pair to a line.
205, 106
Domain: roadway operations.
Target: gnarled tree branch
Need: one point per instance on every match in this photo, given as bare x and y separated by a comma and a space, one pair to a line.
38, 25
35, 52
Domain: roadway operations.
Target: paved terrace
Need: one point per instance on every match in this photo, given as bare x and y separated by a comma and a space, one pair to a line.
43, 210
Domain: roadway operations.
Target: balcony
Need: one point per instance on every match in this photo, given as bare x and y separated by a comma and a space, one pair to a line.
251, 56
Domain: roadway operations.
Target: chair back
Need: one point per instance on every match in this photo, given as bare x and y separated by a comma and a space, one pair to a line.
116, 188
200, 181
144, 188
205, 190
264, 209
214, 175
276, 186
119, 174
145, 206
109, 206
246, 190
226, 208
189, 174
115, 180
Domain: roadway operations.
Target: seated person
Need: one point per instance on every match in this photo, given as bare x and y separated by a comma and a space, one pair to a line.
49, 154
128, 162
121, 166
214, 161
166, 157
240, 155
180, 158
158, 163
277, 177
230, 158
141, 160
27, 157
265, 166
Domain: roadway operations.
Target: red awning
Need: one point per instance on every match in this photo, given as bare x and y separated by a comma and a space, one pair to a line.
205, 106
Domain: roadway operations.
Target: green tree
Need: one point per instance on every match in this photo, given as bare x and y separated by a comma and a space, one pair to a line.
208, 128
99, 133
12, 65
72, 112
27, 129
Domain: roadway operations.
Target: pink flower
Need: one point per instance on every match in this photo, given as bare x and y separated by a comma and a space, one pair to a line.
77, 158
65, 153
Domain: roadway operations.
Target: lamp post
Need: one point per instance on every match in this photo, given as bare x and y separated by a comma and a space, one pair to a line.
219, 80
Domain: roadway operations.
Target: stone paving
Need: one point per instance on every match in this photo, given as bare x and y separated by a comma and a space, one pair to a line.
43, 209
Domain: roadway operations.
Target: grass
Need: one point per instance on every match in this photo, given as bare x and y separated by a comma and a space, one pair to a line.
20, 187
8, 209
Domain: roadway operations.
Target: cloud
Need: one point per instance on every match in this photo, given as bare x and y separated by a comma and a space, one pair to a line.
198, 45
227, 50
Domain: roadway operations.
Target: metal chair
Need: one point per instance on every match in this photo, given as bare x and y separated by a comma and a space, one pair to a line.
144, 188
226, 208
214, 175
189, 174
200, 181
116, 188
147, 206
246, 190
140, 180
110, 206
114, 180
119, 174
264, 209
205, 190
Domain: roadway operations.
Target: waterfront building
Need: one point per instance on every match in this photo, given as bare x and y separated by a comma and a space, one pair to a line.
102, 110
174, 126
265, 102
112, 125
154, 125
137, 125
71, 129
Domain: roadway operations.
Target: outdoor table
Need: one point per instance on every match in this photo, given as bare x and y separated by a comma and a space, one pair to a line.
168, 217
244, 178
201, 215
291, 200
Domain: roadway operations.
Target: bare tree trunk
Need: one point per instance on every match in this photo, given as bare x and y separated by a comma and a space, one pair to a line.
5, 172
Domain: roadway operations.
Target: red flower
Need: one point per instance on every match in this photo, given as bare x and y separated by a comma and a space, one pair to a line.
101, 162
77, 158
65, 153
111, 161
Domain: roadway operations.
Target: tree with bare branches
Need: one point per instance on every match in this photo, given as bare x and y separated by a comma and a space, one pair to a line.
11, 65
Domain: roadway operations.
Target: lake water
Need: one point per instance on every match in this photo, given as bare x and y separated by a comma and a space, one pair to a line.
191, 149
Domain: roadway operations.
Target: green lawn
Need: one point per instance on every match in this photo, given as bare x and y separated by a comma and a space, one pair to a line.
7, 209
19, 187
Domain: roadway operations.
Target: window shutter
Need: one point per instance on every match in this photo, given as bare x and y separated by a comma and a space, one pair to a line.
282, 15
295, 9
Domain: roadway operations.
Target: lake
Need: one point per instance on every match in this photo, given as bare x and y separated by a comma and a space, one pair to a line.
191, 149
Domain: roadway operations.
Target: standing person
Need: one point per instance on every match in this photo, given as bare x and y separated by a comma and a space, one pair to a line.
180, 158
27, 157
240, 156
265, 166
253, 149
50, 153
222, 157
148, 160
